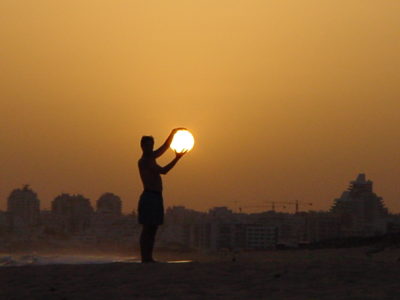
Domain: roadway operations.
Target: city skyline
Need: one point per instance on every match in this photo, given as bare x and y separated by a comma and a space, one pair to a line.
359, 213
262, 206
235, 205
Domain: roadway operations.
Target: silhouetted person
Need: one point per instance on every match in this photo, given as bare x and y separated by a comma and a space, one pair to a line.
151, 207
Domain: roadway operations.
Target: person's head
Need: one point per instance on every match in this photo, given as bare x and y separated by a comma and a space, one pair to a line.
147, 143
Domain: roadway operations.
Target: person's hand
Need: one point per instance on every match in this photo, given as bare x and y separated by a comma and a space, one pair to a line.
180, 154
177, 129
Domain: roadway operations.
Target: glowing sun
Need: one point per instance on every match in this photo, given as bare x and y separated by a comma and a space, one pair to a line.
183, 140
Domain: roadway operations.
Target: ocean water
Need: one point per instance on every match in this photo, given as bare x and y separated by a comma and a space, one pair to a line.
24, 260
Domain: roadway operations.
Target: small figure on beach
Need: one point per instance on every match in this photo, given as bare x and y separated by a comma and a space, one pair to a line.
151, 206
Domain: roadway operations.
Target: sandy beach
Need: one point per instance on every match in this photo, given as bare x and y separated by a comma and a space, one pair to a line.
301, 274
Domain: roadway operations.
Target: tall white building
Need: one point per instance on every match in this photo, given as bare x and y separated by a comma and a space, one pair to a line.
361, 212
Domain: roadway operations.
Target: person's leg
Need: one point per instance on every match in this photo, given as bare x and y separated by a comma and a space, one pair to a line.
152, 237
144, 242
147, 239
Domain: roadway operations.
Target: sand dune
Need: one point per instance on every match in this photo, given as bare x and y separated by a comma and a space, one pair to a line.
305, 274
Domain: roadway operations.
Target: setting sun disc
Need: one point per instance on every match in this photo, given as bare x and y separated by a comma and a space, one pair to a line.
183, 141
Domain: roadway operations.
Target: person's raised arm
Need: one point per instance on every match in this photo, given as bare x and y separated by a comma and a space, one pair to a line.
160, 151
164, 170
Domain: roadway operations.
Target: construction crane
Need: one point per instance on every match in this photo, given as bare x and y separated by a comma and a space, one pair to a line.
296, 203
262, 206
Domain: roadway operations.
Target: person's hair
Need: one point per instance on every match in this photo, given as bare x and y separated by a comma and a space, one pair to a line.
145, 139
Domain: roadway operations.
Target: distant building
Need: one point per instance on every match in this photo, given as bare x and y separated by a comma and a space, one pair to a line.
3, 222
23, 207
321, 226
255, 236
223, 229
109, 204
215, 235
73, 213
109, 227
176, 231
360, 210
291, 230
220, 212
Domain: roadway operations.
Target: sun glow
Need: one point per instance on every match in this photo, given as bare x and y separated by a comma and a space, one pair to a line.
183, 140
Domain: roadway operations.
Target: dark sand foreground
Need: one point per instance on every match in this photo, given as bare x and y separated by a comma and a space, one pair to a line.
304, 274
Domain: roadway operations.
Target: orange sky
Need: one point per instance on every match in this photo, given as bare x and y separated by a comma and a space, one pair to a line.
286, 99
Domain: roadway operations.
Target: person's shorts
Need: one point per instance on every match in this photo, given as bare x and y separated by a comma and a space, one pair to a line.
151, 208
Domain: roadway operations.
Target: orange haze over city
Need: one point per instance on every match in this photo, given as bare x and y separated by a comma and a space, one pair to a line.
287, 100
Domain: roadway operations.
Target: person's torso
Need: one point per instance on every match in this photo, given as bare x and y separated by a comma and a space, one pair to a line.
150, 174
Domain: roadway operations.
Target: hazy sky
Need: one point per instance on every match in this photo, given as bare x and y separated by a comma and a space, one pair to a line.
287, 100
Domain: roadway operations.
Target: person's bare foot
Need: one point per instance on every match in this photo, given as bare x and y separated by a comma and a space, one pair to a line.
150, 261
